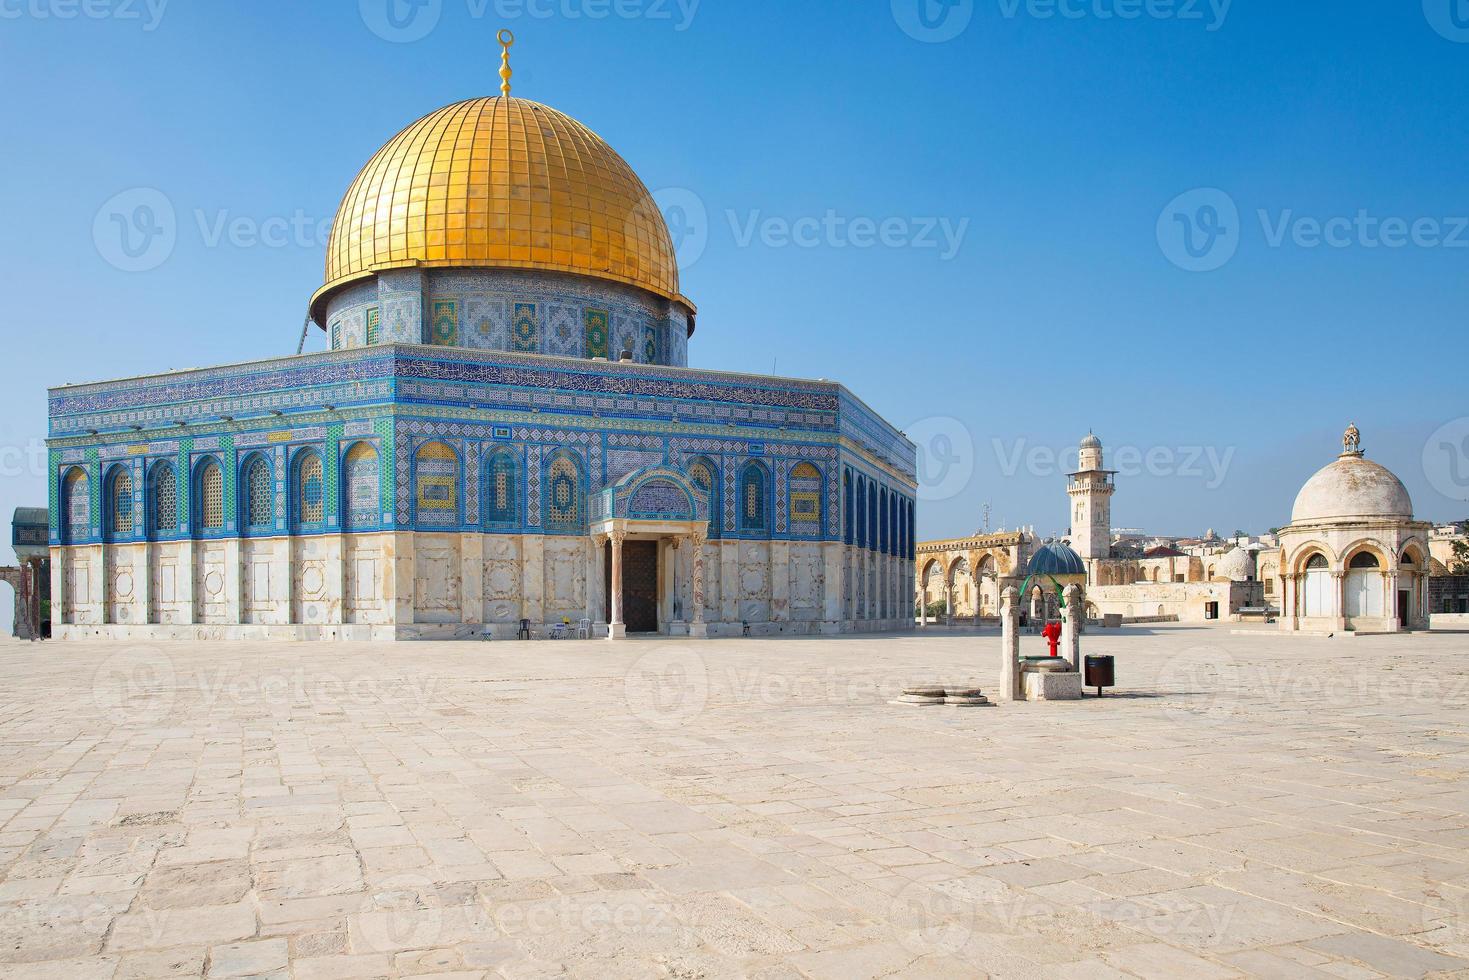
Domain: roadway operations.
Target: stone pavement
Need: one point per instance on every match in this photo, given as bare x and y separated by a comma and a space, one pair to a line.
1244, 805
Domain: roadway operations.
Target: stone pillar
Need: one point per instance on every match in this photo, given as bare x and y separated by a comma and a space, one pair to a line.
698, 629
616, 629
1339, 596
400, 570
183, 583
144, 556
835, 563
282, 574
60, 601
234, 582
849, 583
533, 578
336, 582
1287, 600
780, 581
595, 613
472, 578
1390, 600
1010, 645
1071, 626
729, 581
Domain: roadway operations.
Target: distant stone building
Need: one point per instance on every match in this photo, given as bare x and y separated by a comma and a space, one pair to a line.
1160, 581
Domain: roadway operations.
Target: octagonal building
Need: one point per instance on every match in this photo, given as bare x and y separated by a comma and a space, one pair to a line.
504, 439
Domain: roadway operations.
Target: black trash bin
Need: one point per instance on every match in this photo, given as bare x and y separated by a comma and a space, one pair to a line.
1101, 672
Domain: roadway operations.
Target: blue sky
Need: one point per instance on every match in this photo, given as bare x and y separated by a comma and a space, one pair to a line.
1034, 176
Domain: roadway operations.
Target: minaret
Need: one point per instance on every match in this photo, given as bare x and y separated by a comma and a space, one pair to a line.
1090, 489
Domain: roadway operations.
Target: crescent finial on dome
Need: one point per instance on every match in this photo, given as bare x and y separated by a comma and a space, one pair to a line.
506, 39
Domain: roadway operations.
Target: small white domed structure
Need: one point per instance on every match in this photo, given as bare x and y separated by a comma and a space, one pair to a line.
1353, 557
1237, 565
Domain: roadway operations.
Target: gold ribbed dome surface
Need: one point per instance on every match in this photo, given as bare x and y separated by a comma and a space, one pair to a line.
500, 183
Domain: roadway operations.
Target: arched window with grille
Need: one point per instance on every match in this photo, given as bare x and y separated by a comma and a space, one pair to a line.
565, 495
308, 490
361, 479
754, 498
257, 509
436, 485
848, 518
77, 493
704, 475
804, 494
912, 532
894, 525
119, 514
872, 516
209, 496
501, 507
884, 526
162, 500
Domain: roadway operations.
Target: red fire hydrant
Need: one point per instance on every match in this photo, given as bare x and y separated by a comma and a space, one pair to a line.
1052, 632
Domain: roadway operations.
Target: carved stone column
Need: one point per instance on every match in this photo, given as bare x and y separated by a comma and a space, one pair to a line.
1339, 594
594, 580
616, 628
1390, 601
697, 627
1287, 600
1010, 645
1071, 626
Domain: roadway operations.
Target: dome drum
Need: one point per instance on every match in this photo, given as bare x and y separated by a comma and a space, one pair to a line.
515, 310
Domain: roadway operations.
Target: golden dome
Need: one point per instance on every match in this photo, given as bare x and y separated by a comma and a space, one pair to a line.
500, 183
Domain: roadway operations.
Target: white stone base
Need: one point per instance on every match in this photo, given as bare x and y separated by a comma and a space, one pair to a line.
1051, 686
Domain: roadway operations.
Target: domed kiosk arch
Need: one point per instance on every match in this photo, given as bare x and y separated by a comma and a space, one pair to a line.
1339, 556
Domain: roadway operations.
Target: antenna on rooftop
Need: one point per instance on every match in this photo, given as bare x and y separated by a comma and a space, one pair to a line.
305, 328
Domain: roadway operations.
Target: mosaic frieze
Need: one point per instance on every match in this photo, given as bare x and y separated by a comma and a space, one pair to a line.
444, 323
596, 333
524, 328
